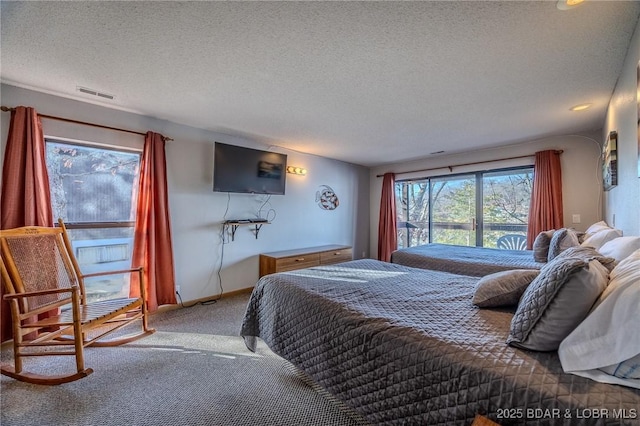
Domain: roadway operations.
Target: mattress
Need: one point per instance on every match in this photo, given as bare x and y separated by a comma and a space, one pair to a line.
464, 260
405, 346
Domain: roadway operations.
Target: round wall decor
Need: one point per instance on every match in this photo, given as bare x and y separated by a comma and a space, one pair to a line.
327, 198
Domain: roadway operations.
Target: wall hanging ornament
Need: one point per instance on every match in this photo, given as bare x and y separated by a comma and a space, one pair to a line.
327, 198
610, 161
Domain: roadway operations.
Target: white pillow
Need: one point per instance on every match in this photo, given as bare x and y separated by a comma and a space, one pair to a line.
620, 248
629, 369
598, 226
598, 239
609, 336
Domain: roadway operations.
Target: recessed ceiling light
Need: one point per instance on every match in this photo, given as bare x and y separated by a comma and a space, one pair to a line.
568, 4
580, 107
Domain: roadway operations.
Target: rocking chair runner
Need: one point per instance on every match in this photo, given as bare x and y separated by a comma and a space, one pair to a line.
45, 290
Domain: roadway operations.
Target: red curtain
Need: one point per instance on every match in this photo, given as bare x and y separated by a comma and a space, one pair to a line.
545, 211
152, 246
387, 229
25, 200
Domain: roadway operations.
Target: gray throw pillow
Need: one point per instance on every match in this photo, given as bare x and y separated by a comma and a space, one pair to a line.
503, 288
556, 302
562, 239
589, 253
541, 246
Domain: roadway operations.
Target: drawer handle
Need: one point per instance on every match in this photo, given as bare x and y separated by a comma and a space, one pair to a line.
336, 253
300, 259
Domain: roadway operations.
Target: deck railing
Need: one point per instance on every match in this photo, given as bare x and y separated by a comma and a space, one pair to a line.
421, 229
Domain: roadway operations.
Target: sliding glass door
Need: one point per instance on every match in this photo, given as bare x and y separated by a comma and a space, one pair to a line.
488, 209
506, 196
412, 205
94, 190
454, 210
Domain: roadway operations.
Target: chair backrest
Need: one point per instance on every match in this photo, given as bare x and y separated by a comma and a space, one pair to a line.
512, 242
37, 259
4, 274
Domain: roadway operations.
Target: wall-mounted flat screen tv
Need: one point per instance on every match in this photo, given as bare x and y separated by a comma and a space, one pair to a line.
247, 170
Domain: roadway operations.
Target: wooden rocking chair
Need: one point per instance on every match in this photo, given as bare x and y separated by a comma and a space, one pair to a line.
42, 279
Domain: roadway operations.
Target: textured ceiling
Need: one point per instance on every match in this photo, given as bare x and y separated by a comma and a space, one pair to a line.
364, 82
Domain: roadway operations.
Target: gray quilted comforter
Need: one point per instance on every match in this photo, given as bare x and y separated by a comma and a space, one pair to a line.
406, 346
474, 261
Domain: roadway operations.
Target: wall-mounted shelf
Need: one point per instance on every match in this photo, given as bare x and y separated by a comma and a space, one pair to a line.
234, 224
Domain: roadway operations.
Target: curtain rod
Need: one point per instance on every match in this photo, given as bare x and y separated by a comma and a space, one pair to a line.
467, 164
68, 120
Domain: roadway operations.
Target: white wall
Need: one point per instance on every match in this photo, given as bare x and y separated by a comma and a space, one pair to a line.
622, 203
581, 174
197, 212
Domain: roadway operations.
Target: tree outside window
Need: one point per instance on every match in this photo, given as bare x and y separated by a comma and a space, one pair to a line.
94, 189
472, 209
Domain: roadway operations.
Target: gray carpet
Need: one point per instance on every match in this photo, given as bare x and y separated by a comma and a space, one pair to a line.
195, 370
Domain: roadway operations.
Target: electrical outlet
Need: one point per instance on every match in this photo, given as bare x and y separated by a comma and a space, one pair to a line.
576, 218
178, 289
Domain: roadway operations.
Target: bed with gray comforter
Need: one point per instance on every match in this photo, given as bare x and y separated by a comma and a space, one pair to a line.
463, 260
406, 346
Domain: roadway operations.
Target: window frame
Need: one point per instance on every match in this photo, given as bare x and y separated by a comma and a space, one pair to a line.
479, 196
115, 286
91, 144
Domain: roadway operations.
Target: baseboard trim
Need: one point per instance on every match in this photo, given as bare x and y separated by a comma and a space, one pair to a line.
185, 304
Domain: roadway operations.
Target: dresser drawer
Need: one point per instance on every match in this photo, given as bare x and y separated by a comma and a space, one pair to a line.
336, 256
289, 260
297, 262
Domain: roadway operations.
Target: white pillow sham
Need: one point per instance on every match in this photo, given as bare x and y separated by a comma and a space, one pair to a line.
607, 340
598, 226
598, 239
620, 248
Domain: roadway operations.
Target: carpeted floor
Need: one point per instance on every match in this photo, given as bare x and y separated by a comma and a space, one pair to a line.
195, 370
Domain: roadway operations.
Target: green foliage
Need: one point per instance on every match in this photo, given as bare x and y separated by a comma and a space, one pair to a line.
90, 184
505, 207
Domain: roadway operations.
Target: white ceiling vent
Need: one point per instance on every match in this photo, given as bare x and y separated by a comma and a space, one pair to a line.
94, 92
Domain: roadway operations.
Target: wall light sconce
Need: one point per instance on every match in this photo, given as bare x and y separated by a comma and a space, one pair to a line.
568, 4
296, 170
580, 107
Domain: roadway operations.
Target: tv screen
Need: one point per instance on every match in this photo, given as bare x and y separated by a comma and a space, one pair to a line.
246, 170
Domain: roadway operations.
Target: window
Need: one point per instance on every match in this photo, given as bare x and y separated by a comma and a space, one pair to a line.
473, 209
94, 189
